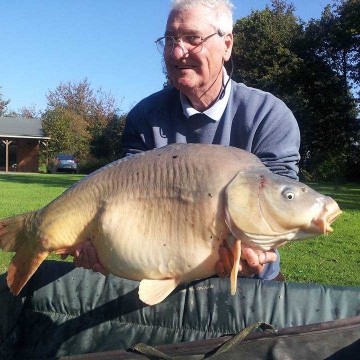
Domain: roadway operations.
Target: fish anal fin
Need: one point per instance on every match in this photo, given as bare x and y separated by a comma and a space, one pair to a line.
22, 267
236, 250
152, 292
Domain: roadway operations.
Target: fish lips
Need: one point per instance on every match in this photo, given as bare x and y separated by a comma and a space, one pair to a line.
322, 224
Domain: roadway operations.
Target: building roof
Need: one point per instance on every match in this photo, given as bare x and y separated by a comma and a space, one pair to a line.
11, 127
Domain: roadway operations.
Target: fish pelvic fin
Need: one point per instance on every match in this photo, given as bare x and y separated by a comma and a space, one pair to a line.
152, 292
236, 250
15, 237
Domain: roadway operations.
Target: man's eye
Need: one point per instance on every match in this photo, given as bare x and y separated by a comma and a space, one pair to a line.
193, 39
168, 41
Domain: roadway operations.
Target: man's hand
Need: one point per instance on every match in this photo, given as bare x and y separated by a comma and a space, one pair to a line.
251, 263
86, 256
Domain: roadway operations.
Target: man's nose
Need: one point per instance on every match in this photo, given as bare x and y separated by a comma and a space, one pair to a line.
179, 51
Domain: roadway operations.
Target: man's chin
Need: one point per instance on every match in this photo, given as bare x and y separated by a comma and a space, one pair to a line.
183, 86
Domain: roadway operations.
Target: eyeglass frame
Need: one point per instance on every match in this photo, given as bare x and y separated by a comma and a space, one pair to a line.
177, 39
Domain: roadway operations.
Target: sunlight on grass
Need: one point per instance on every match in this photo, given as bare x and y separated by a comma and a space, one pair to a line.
20, 193
333, 259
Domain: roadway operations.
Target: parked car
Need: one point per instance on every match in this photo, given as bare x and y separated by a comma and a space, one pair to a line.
63, 163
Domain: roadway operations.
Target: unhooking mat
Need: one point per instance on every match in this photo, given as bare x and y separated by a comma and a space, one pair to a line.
66, 311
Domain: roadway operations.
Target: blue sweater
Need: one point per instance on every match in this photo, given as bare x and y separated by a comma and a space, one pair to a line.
253, 120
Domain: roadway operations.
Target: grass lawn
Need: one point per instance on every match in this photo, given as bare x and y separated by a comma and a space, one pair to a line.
332, 259
20, 193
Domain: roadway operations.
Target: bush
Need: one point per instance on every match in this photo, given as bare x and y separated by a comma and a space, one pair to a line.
92, 164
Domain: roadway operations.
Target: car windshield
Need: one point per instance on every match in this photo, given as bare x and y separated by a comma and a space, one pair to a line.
65, 157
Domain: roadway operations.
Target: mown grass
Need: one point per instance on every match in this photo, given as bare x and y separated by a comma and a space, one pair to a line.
20, 193
332, 259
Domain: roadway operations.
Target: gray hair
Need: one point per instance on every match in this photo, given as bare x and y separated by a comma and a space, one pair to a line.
223, 17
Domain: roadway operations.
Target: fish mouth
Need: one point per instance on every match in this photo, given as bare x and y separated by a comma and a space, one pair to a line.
322, 224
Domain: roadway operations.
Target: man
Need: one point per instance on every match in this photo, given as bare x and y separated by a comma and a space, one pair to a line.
205, 106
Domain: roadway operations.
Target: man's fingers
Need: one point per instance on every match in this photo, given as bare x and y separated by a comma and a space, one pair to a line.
85, 256
251, 256
91, 253
89, 256
220, 270
78, 255
99, 268
251, 263
254, 260
267, 257
248, 270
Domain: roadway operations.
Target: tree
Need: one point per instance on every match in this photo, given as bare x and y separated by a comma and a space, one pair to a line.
82, 108
3, 104
263, 55
336, 39
110, 141
67, 131
28, 112
274, 51
328, 48
24, 112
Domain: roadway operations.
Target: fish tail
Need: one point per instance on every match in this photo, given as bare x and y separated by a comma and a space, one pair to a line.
15, 237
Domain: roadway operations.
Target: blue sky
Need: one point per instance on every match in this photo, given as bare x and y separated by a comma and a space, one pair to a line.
111, 42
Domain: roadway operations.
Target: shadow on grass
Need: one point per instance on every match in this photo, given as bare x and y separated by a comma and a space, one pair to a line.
58, 180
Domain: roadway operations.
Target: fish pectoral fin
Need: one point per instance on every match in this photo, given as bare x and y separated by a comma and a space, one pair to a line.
236, 250
152, 292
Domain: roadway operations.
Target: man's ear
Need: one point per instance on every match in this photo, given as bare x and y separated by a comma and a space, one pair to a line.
229, 41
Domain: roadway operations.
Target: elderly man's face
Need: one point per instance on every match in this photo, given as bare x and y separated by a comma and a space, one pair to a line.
193, 74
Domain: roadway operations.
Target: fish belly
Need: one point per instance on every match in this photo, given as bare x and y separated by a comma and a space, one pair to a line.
161, 238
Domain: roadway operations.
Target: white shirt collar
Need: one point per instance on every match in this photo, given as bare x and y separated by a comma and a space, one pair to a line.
214, 112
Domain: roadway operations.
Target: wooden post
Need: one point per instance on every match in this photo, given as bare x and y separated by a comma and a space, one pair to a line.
7, 143
46, 144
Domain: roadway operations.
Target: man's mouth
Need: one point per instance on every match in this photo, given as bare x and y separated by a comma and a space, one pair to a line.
183, 67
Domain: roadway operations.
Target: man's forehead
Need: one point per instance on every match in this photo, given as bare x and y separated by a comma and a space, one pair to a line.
194, 21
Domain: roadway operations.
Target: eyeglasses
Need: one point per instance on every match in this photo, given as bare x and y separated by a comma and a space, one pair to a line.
192, 43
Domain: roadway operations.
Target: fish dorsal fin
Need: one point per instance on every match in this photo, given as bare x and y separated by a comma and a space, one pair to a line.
236, 250
152, 292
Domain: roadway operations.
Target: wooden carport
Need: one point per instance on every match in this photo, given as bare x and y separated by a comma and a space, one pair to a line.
20, 142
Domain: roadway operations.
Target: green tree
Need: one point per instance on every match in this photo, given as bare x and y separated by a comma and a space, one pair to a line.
67, 131
275, 52
331, 134
263, 50
84, 110
111, 137
336, 39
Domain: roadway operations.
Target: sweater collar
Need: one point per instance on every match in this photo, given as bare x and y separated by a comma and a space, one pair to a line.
214, 112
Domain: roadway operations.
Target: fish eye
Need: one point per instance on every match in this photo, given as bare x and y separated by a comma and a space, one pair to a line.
288, 194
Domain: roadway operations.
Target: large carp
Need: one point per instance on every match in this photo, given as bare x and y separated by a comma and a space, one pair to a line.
160, 216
